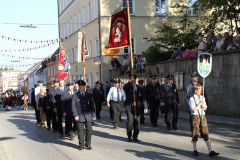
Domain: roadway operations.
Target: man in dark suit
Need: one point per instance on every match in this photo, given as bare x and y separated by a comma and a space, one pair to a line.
170, 100
33, 102
189, 93
142, 89
84, 113
133, 118
58, 105
67, 110
153, 99
51, 104
98, 98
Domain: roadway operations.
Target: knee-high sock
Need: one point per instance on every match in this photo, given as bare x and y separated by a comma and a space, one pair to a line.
209, 146
194, 146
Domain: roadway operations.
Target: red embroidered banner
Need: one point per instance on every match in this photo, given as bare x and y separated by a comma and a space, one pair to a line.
62, 65
119, 34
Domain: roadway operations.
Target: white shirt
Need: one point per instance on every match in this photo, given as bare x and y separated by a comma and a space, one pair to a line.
202, 45
112, 94
37, 91
219, 43
193, 105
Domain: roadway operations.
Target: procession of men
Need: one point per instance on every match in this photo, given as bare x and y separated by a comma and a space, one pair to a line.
79, 107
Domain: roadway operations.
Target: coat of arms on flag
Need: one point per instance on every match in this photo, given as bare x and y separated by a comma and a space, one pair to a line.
119, 34
63, 65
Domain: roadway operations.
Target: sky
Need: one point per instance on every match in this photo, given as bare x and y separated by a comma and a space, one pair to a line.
26, 12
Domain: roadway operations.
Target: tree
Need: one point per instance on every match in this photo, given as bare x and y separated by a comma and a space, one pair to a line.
218, 15
168, 35
5, 69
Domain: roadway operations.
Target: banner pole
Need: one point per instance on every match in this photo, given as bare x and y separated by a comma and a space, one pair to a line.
130, 42
204, 98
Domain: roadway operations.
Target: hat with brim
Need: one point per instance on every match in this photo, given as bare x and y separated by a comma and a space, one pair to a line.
153, 76
117, 81
56, 80
194, 74
70, 83
130, 76
169, 77
97, 82
40, 81
81, 82
140, 81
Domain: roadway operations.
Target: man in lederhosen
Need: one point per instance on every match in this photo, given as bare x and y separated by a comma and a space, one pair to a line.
84, 114
133, 120
115, 98
170, 101
153, 99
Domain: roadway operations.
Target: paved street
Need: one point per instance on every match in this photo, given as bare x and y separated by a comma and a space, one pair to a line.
22, 139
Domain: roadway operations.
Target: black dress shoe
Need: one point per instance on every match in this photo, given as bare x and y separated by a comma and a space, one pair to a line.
115, 127
154, 125
61, 135
169, 128
48, 128
135, 140
87, 146
175, 128
129, 139
142, 122
212, 154
195, 153
80, 148
120, 119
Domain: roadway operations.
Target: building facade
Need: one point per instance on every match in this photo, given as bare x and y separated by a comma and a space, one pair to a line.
95, 17
9, 80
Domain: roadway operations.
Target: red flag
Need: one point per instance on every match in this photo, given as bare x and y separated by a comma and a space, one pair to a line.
119, 34
62, 65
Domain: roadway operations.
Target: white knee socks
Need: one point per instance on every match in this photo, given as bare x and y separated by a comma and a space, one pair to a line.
194, 146
209, 146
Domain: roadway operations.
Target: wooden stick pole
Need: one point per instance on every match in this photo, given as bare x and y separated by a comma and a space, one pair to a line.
131, 54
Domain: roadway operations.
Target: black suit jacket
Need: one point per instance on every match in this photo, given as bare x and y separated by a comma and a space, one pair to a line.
50, 97
82, 106
58, 98
189, 93
33, 98
67, 103
98, 95
139, 97
169, 95
152, 93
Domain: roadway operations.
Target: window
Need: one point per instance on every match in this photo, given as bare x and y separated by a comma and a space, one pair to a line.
68, 56
131, 5
160, 6
90, 81
75, 22
90, 49
53, 70
96, 47
71, 25
64, 31
63, 4
79, 19
76, 67
76, 78
95, 8
76, 53
191, 11
96, 77
89, 12
73, 60
60, 6
126, 50
48, 71
67, 30
72, 78
84, 16
56, 69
